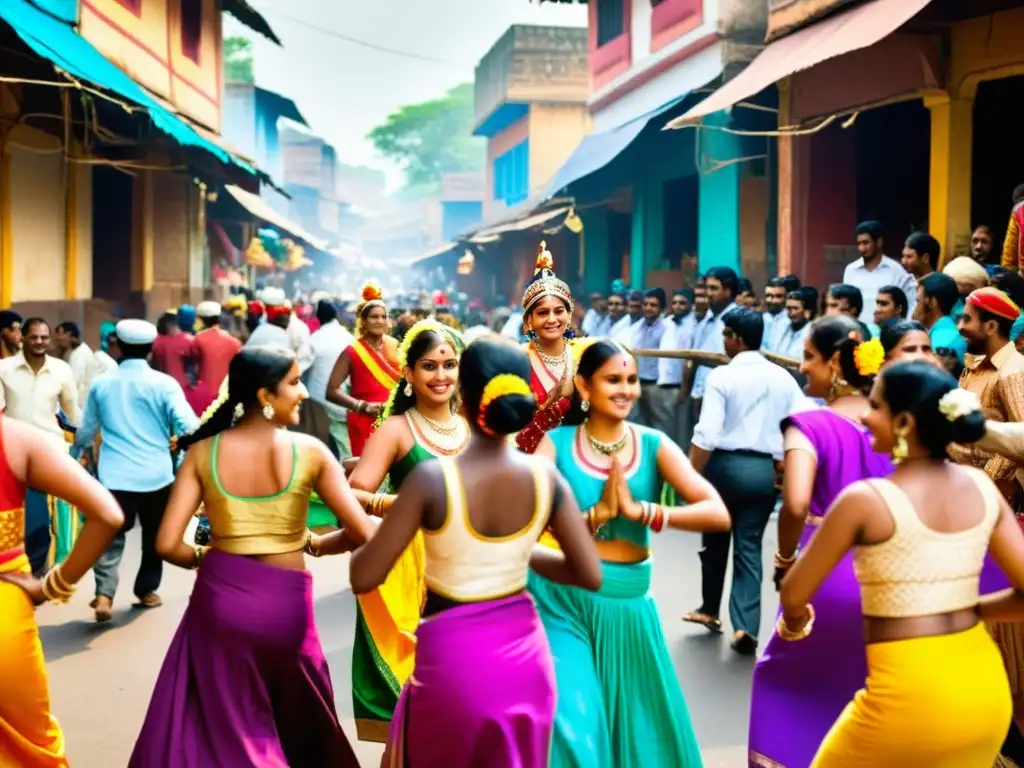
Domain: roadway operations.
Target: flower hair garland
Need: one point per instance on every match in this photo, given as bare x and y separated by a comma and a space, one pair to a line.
868, 357
958, 403
500, 386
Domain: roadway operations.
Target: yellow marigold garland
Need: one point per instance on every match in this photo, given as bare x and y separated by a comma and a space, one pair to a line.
869, 356
500, 386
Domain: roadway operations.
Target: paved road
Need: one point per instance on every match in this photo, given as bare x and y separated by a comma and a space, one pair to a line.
101, 677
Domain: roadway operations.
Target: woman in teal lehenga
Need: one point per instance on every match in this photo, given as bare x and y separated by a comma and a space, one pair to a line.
619, 702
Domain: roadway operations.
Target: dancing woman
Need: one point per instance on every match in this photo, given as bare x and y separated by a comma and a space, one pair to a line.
619, 702
370, 365
800, 689
547, 316
936, 692
484, 691
245, 682
29, 734
418, 424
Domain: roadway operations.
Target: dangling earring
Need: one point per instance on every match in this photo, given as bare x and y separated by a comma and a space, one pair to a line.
838, 382
585, 405
569, 334
408, 389
900, 449
531, 335
268, 412
239, 412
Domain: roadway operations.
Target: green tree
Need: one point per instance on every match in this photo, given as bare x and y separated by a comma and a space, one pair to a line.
432, 138
238, 60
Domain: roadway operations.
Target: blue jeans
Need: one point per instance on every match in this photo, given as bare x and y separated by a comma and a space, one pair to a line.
37, 529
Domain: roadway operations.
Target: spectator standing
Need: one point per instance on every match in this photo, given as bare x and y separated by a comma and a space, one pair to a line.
874, 269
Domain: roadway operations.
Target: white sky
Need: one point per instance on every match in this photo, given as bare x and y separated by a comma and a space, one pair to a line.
344, 89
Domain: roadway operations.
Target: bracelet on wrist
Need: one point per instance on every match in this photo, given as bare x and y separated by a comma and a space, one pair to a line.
658, 523
200, 553
312, 546
55, 588
784, 562
788, 634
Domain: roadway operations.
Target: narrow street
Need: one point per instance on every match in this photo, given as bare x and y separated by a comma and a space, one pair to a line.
101, 677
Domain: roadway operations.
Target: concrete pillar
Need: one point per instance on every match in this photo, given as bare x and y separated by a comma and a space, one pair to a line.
949, 194
596, 246
718, 233
647, 243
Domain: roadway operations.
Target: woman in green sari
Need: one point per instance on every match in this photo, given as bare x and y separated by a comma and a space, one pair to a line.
418, 424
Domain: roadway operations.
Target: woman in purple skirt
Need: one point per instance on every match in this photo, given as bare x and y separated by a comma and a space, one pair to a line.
800, 688
483, 689
245, 683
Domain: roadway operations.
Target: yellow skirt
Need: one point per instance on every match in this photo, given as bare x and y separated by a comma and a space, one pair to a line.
930, 702
29, 735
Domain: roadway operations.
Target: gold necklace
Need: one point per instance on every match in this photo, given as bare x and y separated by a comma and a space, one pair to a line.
441, 444
554, 362
449, 429
606, 449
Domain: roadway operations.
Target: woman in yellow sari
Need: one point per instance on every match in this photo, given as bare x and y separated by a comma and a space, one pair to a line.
29, 734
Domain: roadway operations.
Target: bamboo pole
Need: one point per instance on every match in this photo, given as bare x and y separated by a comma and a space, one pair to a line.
702, 357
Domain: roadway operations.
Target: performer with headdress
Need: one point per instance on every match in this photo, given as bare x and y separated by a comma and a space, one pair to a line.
370, 366
418, 424
547, 317
483, 692
245, 682
619, 701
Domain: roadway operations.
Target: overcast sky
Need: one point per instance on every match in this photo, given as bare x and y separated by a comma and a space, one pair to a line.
344, 89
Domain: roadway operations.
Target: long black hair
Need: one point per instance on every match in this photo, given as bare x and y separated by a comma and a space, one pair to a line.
593, 358
916, 387
842, 334
252, 369
892, 333
485, 361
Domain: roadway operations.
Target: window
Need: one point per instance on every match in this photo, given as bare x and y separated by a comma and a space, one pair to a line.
191, 28
610, 20
512, 174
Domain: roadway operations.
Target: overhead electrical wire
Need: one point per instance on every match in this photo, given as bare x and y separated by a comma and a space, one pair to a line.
363, 43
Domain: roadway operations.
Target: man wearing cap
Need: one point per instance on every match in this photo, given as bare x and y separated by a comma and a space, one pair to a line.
969, 276
138, 410
212, 347
274, 332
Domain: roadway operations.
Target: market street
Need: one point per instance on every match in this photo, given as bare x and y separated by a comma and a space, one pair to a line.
101, 676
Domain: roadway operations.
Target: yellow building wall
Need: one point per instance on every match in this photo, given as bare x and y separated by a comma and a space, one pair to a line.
147, 45
38, 248
555, 131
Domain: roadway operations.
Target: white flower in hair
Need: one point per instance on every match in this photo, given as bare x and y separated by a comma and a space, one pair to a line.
958, 403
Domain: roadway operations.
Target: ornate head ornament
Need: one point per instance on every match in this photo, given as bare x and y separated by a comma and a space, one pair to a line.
545, 283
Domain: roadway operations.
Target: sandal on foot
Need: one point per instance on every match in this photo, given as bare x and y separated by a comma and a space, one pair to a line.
710, 623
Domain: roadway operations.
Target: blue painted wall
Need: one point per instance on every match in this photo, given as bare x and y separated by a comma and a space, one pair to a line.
456, 218
512, 174
718, 243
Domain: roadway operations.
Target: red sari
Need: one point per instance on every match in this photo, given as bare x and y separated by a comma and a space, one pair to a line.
542, 381
372, 376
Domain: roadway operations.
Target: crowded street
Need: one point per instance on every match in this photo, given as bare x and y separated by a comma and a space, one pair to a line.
102, 675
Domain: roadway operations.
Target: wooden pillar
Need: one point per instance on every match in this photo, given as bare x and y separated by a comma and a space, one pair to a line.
6, 222
949, 190
70, 227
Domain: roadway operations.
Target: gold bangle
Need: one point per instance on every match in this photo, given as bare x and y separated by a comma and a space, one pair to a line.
200, 555
784, 562
789, 635
62, 584
45, 589
312, 548
51, 590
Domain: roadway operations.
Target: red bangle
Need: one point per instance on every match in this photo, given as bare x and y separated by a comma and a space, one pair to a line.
658, 523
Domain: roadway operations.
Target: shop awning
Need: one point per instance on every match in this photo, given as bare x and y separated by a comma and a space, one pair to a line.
438, 251
262, 210
845, 32
77, 58
519, 225
599, 149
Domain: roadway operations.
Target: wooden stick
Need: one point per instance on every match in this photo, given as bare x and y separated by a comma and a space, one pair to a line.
702, 357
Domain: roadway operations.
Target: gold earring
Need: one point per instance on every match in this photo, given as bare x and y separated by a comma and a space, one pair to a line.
900, 449
408, 389
268, 412
584, 405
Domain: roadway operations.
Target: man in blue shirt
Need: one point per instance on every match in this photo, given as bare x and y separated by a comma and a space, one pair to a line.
136, 410
650, 408
937, 294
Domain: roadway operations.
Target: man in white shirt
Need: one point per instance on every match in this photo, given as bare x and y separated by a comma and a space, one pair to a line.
33, 385
327, 345
736, 444
722, 288
67, 337
679, 328
596, 322
874, 269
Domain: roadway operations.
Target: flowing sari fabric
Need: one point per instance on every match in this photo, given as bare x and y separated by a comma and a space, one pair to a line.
800, 688
482, 693
245, 683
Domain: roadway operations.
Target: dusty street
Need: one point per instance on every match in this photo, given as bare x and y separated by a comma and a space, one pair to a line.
102, 676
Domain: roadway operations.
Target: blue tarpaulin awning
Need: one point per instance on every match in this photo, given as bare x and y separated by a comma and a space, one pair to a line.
599, 149
75, 56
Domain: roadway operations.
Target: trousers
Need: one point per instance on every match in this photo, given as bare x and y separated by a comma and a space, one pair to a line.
148, 508
746, 482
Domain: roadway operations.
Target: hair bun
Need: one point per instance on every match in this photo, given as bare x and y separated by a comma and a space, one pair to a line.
509, 414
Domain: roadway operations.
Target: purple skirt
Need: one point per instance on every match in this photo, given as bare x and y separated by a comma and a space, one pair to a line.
245, 682
801, 687
482, 692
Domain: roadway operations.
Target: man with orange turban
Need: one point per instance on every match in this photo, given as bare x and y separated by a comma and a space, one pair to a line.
994, 371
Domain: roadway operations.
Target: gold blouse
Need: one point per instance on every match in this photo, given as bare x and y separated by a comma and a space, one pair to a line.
256, 525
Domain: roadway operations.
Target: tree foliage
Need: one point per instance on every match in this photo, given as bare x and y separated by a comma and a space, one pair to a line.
238, 60
432, 138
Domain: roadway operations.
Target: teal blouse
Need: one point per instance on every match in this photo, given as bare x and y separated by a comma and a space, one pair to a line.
644, 480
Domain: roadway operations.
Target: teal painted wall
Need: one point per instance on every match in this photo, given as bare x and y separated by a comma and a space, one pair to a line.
718, 242
596, 250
